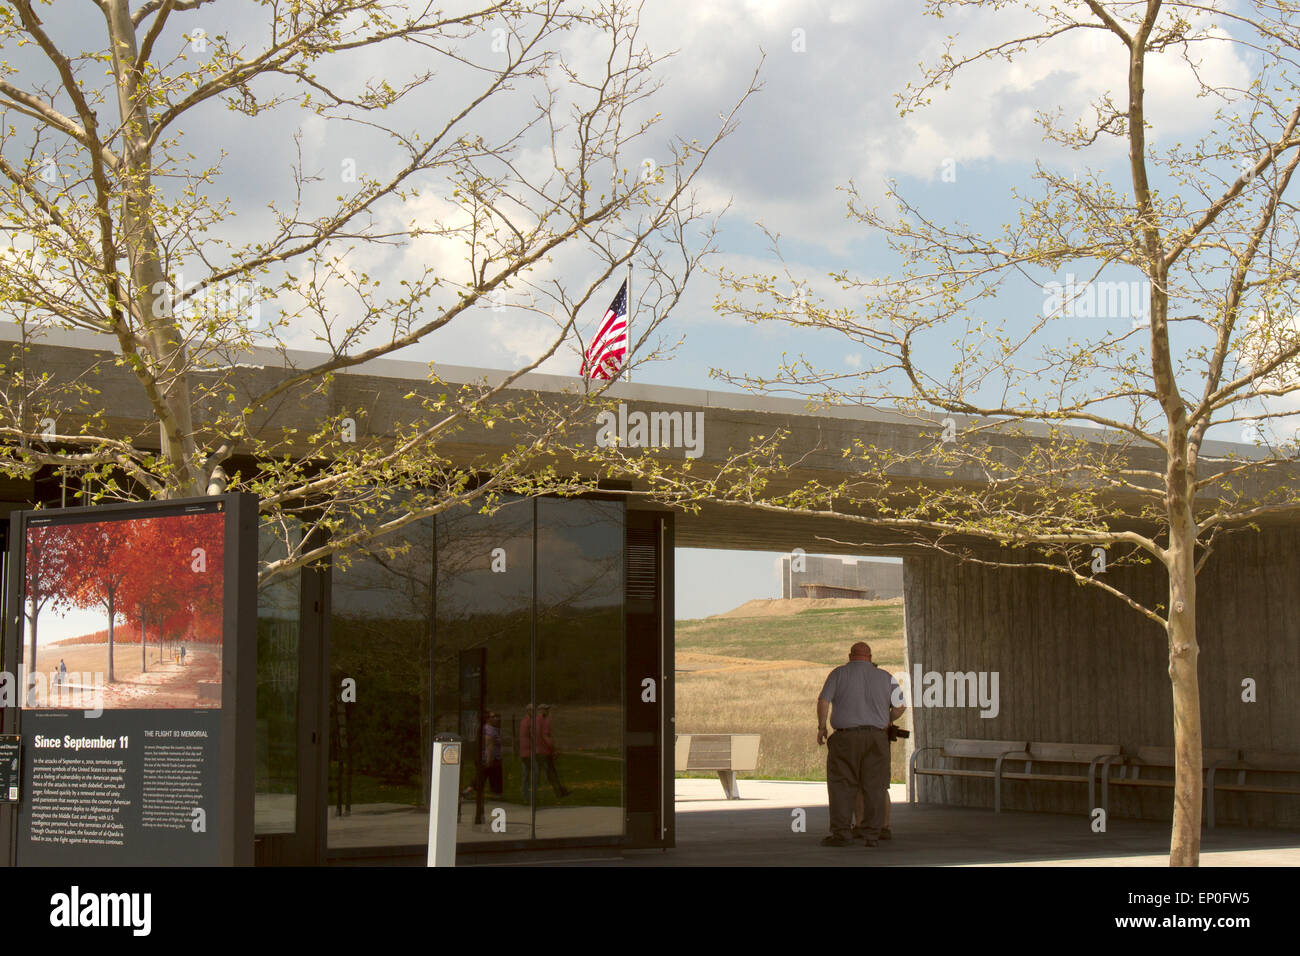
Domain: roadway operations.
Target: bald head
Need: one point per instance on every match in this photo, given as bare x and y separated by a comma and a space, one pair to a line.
861, 651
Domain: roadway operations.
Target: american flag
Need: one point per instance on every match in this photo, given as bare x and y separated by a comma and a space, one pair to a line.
608, 350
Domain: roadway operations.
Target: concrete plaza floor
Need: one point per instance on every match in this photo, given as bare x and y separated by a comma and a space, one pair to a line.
756, 831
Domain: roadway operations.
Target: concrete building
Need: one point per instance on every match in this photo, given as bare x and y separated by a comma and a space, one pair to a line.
822, 576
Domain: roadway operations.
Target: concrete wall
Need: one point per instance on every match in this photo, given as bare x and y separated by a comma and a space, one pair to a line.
882, 579
1077, 665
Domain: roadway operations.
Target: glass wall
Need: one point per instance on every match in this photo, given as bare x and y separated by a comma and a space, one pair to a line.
380, 726
278, 634
528, 666
579, 667
482, 675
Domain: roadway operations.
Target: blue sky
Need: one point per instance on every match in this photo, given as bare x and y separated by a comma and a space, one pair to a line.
826, 117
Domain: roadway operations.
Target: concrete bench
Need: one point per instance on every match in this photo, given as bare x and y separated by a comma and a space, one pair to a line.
1233, 764
1024, 753
1254, 762
727, 754
1076, 755
1159, 758
995, 751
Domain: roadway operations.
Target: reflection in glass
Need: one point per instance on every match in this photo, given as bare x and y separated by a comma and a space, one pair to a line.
380, 731
278, 633
578, 785
540, 708
482, 666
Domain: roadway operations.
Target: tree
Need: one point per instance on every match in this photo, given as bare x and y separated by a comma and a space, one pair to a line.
48, 560
532, 173
106, 560
175, 578
1080, 436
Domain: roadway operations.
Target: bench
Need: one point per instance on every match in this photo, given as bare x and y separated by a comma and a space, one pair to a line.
1253, 761
727, 754
1058, 753
1026, 754
952, 749
1163, 758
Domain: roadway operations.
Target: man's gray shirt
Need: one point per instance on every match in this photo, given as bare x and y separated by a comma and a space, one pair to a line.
860, 695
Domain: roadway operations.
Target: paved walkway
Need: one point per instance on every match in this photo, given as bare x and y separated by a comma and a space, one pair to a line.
756, 831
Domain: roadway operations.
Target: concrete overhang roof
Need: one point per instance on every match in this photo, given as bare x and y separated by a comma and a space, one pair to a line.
818, 435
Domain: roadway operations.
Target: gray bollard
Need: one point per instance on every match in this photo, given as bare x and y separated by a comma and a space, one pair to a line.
444, 796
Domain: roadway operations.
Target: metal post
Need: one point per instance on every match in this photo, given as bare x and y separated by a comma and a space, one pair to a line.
627, 366
444, 794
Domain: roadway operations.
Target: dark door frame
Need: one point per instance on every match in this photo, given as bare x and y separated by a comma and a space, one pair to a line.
648, 653
305, 846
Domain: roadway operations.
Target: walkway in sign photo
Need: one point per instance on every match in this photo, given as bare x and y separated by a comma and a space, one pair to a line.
165, 684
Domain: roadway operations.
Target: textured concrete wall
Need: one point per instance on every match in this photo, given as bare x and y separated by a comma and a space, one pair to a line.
1076, 665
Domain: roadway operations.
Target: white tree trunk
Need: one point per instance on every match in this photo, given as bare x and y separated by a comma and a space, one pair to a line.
151, 296
1185, 839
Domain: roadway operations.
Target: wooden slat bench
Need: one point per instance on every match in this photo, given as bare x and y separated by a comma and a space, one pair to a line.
1159, 757
1062, 753
726, 754
953, 749
1253, 762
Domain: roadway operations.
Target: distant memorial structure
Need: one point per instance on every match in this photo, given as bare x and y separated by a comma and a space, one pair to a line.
833, 577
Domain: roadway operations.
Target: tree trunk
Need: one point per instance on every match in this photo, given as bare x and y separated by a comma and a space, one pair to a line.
144, 660
31, 657
1185, 840
110, 638
151, 299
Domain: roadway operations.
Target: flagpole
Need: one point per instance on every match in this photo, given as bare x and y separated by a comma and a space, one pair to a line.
630, 340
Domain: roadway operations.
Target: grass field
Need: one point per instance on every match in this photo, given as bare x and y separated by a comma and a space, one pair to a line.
762, 674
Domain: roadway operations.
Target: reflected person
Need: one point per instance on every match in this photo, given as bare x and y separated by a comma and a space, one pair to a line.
527, 747
546, 750
490, 771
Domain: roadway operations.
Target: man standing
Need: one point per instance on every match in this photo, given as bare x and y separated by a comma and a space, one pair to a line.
858, 698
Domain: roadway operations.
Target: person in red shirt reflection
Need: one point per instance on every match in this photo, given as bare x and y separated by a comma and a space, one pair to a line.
546, 750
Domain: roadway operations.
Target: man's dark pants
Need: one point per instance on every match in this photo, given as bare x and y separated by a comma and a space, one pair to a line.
857, 759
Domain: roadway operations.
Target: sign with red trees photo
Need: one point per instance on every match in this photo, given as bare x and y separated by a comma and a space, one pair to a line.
127, 609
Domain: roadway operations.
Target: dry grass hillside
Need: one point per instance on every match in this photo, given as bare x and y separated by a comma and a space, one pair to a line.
758, 668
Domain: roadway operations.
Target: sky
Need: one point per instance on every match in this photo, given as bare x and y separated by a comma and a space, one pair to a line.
733, 577
825, 117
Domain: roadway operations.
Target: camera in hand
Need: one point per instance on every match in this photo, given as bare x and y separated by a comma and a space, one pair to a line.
894, 732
